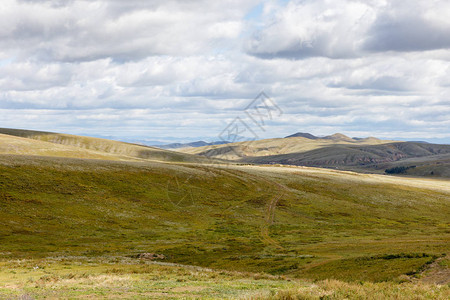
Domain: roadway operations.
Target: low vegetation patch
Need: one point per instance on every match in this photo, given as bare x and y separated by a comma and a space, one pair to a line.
112, 277
376, 268
398, 170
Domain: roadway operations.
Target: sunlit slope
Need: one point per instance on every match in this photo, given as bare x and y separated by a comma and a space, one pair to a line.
24, 146
107, 147
339, 151
423, 159
305, 222
343, 154
278, 146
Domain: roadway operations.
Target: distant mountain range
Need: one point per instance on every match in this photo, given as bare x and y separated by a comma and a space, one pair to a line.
197, 144
336, 137
190, 145
338, 151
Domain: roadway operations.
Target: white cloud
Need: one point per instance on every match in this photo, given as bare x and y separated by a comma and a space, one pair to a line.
121, 30
153, 69
351, 28
313, 28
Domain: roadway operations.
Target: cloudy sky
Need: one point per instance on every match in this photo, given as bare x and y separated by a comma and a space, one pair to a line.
181, 70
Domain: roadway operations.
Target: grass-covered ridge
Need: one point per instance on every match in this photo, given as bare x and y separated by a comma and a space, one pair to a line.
14, 145
73, 146
282, 221
338, 152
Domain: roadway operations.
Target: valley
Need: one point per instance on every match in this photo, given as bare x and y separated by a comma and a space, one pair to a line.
264, 229
367, 155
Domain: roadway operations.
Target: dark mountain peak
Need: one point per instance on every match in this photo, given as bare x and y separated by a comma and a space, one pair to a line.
304, 135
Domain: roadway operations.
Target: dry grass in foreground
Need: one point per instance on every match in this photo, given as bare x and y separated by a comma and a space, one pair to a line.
334, 289
113, 278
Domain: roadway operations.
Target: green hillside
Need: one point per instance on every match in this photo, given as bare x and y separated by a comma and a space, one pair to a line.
85, 217
299, 222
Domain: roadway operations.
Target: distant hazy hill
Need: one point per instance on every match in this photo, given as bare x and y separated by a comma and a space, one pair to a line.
66, 145
300, 142
345, 154
338, 151
430, 159
335, 137
190, 145
340, 137
303, 134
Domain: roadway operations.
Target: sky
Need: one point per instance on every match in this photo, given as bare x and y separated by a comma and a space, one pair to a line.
184, 70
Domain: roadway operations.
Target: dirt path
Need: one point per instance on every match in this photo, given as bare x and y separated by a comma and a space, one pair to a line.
269, 214
436, 273
269, 217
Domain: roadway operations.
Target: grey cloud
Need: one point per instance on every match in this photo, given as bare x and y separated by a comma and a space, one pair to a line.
51, 3
336, 33
407, 31
299, 48
383, 83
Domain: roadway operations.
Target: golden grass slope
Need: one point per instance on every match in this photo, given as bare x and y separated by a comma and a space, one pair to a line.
23, 146
341, 152
67, 145
351, 178
279, 146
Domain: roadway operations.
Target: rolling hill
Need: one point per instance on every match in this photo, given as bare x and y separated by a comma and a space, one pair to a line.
278, 220
66, 145
338, 151
85, 224
303, 134
24, 146
189, 145
366, 158
278, 146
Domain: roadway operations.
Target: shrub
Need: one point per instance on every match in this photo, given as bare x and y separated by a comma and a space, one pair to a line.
398, 170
